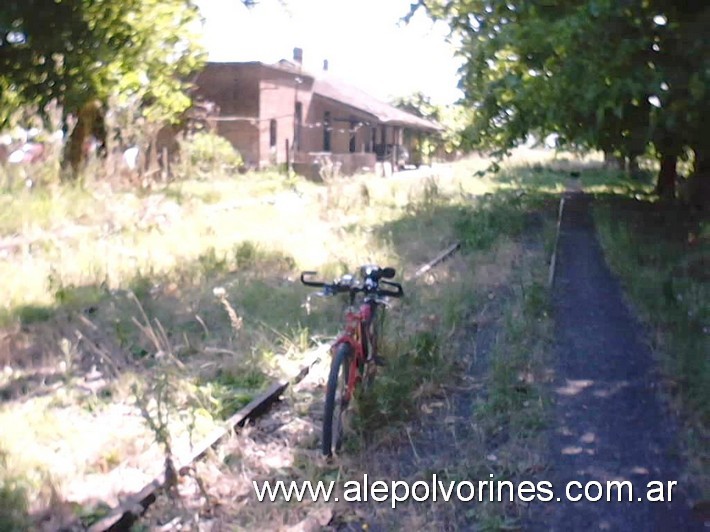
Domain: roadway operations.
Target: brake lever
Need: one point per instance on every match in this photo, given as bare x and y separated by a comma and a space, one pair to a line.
326, 292
398, 293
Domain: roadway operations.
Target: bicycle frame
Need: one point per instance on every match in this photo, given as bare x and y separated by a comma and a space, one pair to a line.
356, 334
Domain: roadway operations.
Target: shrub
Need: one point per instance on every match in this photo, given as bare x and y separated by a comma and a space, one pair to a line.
207, 152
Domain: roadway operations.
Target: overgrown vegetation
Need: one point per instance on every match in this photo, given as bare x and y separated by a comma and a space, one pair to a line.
447, 144
13, 498
224, 314
208, 154
528, 70
496, 274
661, 255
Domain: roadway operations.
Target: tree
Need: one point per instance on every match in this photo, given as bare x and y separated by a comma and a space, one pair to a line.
454, 118
76, 50
81, 51
615, 75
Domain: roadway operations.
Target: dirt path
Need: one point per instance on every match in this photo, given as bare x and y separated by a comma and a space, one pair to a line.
609, 423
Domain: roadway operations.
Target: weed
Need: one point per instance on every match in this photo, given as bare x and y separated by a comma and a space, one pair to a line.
246, 254
13, 499
250, 378
536, 301
175, 193
495, 216
79, 296
210, 264
229, 390
43, 207
672, 297
94, 514
141, 286
415, 366
28, 314
649, 248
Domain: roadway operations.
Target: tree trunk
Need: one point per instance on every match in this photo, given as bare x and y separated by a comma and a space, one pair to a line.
613, 161
701, 166
695, 191
665, 185
89, 122
633, 167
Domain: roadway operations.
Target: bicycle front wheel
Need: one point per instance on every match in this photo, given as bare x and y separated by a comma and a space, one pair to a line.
336, 399
374, 343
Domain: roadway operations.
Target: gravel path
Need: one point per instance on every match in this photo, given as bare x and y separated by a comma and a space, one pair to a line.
609, 423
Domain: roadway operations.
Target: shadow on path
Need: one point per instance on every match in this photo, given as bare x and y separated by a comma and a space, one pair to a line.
609, 424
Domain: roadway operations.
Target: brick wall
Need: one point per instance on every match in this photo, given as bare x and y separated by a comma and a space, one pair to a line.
279, 94
263, 94
235, 89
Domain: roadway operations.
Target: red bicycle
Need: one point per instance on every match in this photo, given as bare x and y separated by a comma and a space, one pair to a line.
355, 352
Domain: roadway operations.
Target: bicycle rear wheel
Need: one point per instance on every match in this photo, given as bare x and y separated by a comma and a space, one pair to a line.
335, 399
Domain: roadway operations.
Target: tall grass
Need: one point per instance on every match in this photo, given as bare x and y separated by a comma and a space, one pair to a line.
13, 498
662, 261
214, 267
665, 276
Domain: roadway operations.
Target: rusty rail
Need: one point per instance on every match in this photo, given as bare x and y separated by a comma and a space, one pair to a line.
553, 258
126, 514
441, 257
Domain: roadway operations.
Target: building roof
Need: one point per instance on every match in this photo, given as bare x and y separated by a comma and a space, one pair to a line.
332, 88
339, 91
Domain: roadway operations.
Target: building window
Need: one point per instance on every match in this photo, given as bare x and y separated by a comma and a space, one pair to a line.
298, 117
353, 137
326, 131
272, 133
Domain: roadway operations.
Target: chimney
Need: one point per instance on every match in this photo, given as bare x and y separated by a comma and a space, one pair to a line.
298, 55
325, 65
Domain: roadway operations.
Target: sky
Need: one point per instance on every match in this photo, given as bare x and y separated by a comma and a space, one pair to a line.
362, 40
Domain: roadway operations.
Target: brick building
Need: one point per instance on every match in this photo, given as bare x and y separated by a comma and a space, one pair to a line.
279, 113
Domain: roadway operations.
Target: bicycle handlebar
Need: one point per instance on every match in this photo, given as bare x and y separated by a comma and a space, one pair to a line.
310, 283
387, 293
377, 275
